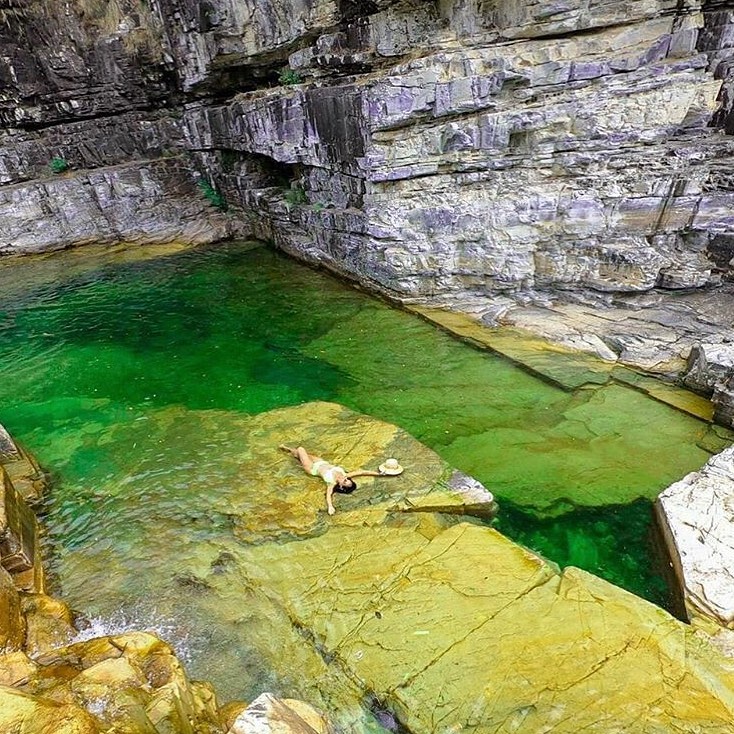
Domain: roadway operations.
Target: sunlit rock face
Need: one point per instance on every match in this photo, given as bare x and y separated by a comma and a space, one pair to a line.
697, 514
398, 597
461, 628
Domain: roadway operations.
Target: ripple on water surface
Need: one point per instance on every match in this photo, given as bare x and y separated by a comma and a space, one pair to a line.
110, 370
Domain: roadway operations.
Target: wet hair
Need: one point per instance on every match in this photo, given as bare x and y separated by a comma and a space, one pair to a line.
346, 490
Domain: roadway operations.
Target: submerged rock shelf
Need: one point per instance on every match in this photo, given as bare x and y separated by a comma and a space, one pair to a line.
446, 623
123, 365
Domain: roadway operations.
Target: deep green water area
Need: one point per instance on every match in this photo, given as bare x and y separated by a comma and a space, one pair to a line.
128, 376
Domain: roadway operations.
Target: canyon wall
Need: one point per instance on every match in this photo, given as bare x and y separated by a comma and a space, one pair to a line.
561, 166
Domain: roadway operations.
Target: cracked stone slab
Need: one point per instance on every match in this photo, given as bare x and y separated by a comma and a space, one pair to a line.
459, 629
289, 503
697, 516
570, 656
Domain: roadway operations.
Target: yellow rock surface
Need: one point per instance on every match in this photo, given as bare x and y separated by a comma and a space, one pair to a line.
106, 676
49, 623
466, 631
289, 502
132, 682
26, 476
16, 668
23, 714
18, 528
12, 624
596, 659
448, 623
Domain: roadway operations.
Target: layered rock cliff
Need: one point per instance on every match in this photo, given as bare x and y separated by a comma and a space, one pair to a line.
562, 166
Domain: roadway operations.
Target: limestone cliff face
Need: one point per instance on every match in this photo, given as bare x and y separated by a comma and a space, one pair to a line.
494, 157
495, 160
90, 139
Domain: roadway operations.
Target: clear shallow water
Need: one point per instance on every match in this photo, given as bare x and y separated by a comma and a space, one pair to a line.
132, 379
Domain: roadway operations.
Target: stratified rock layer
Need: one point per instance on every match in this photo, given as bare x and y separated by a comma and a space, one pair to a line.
571, 186
133, 203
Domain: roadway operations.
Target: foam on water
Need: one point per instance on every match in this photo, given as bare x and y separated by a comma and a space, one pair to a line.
134, 619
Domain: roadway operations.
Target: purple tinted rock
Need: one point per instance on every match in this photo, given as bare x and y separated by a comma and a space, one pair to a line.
581, 70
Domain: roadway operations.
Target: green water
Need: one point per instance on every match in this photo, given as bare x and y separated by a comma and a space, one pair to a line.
131, 378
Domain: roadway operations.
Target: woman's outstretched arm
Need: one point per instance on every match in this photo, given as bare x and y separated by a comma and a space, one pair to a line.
329, 495
364, 473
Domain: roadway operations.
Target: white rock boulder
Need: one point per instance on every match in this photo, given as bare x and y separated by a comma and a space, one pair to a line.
270, 715
697, 517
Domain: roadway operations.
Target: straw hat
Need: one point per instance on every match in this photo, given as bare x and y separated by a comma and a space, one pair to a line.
391, 467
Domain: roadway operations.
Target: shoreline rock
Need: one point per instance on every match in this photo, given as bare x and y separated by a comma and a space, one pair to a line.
697, 518
52, 684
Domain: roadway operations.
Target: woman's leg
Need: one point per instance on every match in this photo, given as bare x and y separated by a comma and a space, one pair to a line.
302, 455
305, 458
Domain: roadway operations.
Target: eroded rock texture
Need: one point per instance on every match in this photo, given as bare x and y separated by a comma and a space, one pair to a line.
402, 598
436, 625
89, 138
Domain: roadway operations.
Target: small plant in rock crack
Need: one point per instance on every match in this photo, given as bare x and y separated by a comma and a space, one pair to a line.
295, 196
212, 195
58, 165
290, 76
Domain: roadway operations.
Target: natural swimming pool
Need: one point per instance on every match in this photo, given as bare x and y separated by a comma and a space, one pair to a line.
130, 378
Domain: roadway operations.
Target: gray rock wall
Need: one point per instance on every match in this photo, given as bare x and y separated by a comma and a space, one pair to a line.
508, 167
697, 518
79, 59
91, 146
134, 203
